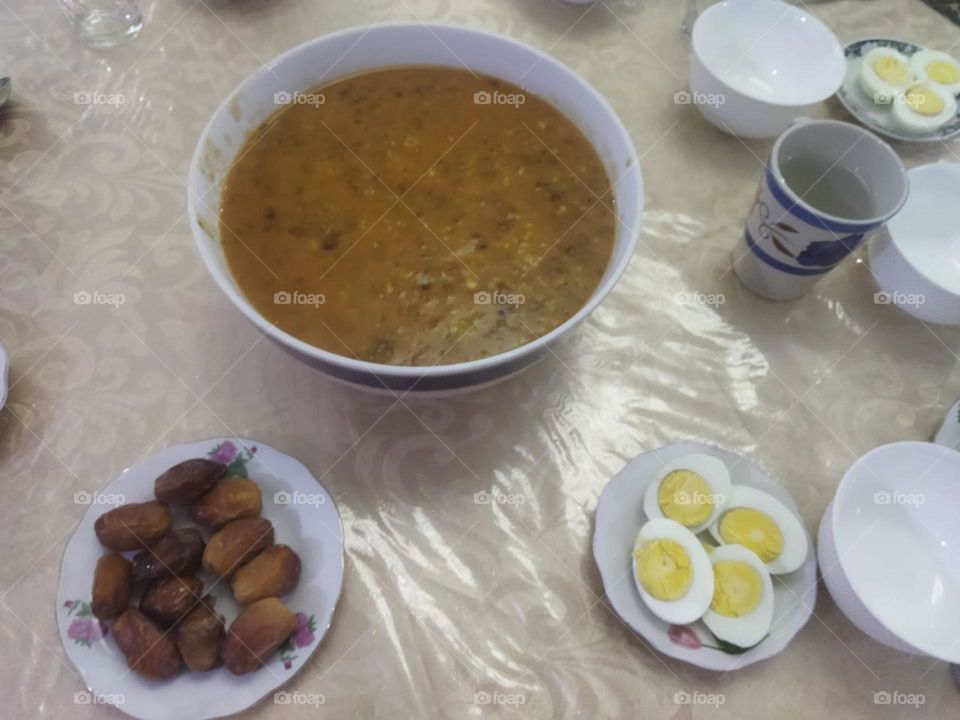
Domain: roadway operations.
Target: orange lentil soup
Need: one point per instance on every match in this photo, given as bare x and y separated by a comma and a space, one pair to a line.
417, 216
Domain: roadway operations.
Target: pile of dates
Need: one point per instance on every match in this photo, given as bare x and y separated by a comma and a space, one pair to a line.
175, 622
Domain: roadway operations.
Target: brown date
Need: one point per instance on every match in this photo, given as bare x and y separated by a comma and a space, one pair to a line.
272, 573
176, 553
235, 544
229, 499
111, 587
185, 482
133, 526
256, 634
169, 599
148, 650
200, 636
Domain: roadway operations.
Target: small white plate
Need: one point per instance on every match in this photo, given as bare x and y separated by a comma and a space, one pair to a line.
619, 517
304, 517
879, 118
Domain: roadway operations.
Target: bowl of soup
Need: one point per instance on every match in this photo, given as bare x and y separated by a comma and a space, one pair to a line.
415, 207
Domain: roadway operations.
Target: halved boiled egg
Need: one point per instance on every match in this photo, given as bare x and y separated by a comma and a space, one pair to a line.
939, 68
765, 526
672, 571
884, 74
741, 610
923, 108
691, 490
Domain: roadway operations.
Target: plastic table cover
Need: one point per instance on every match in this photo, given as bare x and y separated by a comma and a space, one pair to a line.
451, 608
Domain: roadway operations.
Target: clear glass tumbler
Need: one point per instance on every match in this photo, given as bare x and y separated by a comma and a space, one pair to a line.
104, 23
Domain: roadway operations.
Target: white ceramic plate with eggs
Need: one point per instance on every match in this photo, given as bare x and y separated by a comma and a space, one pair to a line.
304, 516
880, 118
620, 515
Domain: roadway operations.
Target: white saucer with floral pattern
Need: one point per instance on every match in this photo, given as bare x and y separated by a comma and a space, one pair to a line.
304, 517
619, 517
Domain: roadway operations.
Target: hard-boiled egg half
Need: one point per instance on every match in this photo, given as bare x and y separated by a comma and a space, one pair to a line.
939, 68
672, 571
763, 525
885, 74
690, 490
923, 108
741, 610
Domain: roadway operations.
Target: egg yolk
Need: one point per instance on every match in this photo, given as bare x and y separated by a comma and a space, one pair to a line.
924, 101
943, 72
892, 70
737, 588
664, 569
753, 529
686, 497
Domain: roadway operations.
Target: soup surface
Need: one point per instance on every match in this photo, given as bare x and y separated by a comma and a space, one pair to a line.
417, 216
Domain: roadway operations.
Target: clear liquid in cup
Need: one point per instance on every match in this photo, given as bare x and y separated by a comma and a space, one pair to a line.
828, 187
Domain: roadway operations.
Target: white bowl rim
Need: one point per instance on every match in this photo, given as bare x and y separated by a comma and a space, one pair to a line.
788, 10
844, 487
226, 284
954, 169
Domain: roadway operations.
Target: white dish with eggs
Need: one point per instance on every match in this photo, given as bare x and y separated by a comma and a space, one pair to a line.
772, 612
901, 90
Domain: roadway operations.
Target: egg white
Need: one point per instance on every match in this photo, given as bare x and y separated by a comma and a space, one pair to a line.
750, 629
697, 599
795, 543
711, 469
913, 122
922, 58
879, 90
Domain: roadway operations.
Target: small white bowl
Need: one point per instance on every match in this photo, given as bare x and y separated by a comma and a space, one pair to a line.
758, 65
916, 261
889, 547
324, 60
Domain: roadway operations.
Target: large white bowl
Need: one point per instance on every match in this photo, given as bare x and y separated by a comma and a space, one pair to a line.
916, 261
327, 58
889, 547
758, 65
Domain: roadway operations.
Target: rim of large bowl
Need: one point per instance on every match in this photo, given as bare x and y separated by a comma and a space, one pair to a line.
841, 69
229, 288
837, 503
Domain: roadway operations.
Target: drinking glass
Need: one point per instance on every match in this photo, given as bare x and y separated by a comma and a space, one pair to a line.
104, 23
